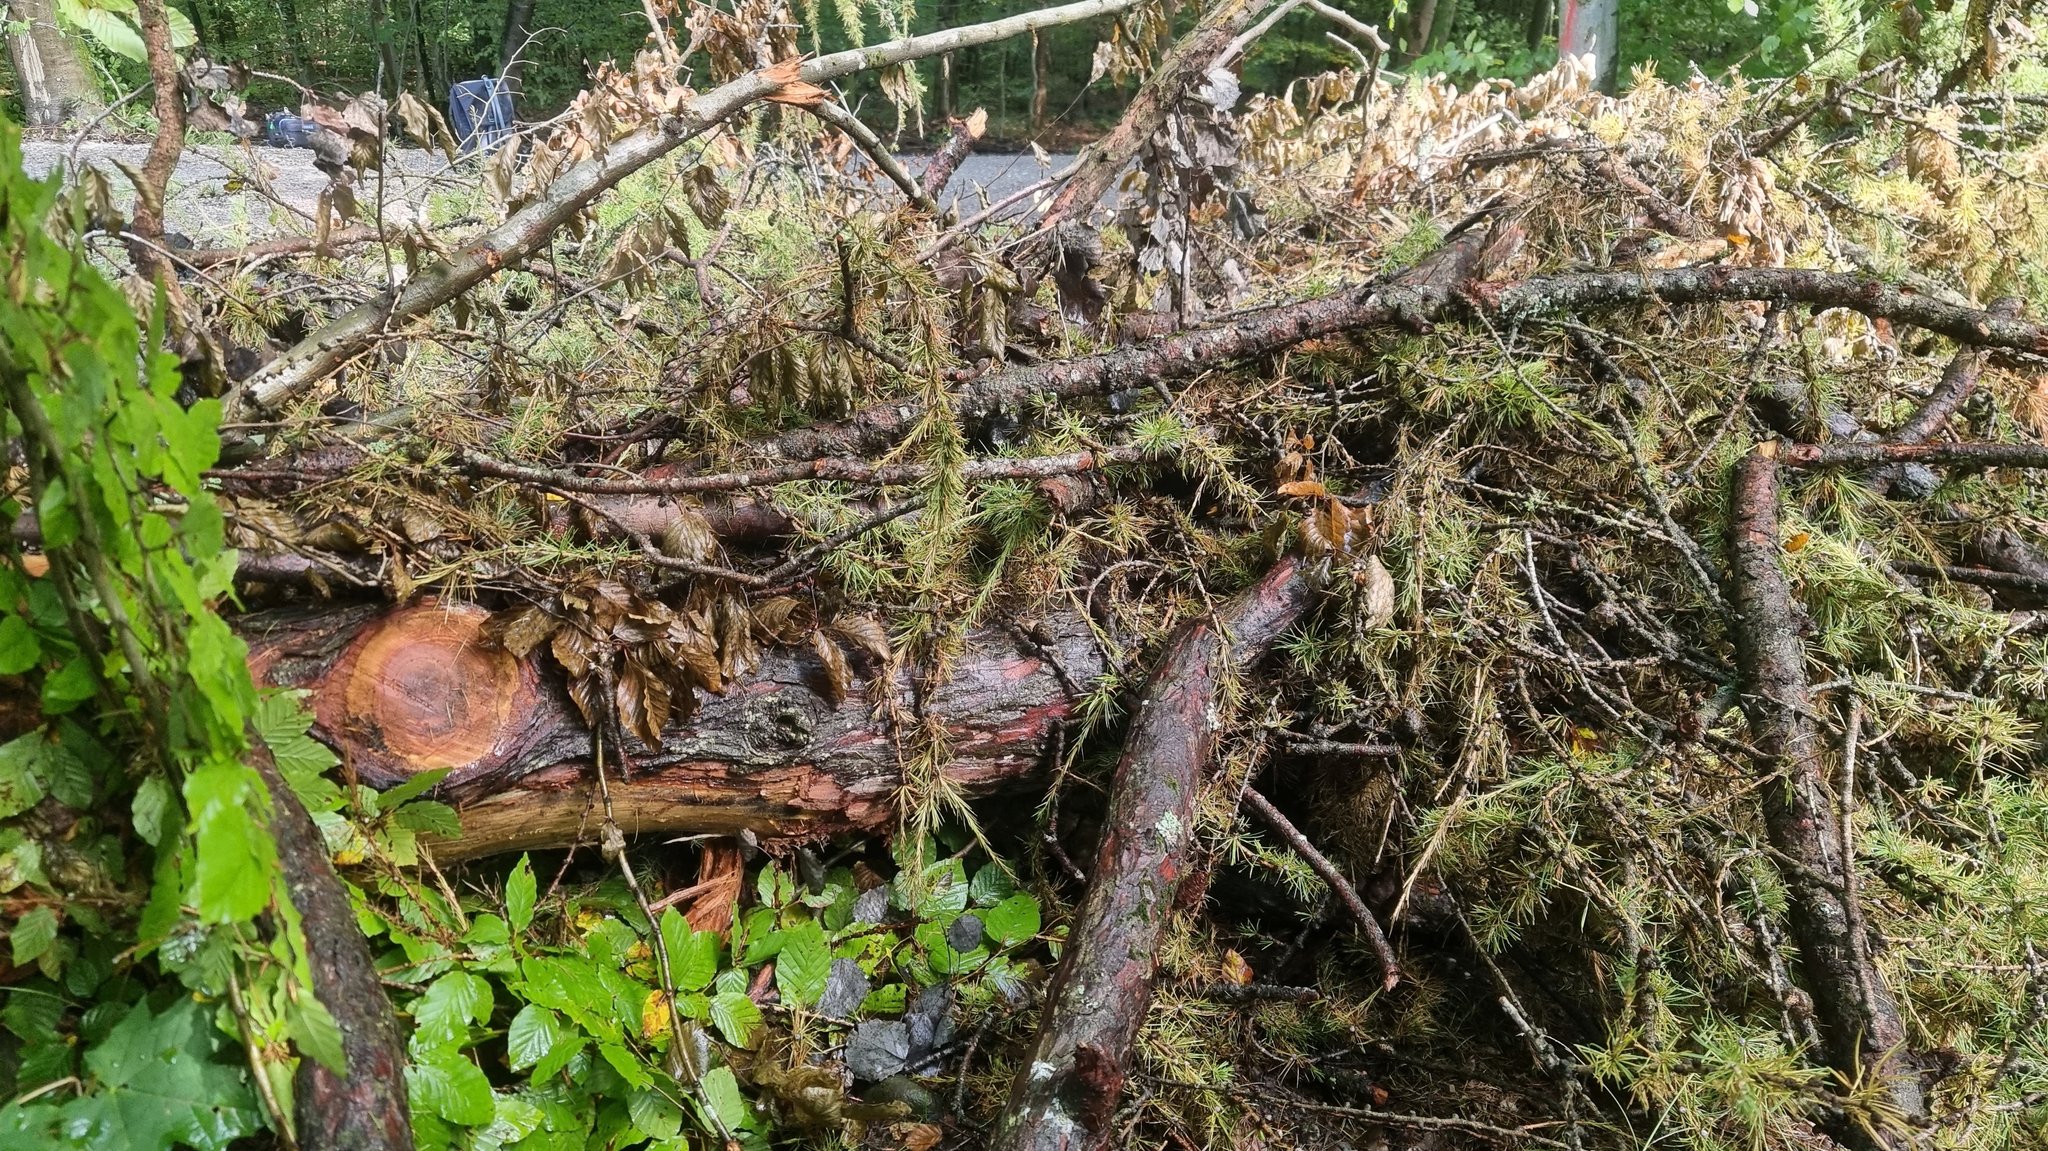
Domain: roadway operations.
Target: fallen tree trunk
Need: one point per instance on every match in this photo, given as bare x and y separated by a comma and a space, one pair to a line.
1066, 1093
1859, 1021
421, 688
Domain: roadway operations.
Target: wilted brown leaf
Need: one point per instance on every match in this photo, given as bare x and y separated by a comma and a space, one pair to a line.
778, 618
864, 633
838, 676
1378, 585
522, 630
642, 698
1311, 489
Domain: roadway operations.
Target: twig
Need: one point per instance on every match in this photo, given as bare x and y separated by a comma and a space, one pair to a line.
1966, 455
1390, 967
1303, 745
847, 471
878, 154
1423, 1122
798, 563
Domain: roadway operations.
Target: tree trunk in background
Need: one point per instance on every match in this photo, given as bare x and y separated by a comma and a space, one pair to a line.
1441, 28
512, 44
1415, 31
295, 40
1590, 26
1536, 22
1041, 77
50, 67
390, 78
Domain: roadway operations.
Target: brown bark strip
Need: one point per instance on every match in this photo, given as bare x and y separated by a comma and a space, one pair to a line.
1982, 577
1972, 455
282, 246
167, 103
1066, 1093
1957, 382
365, 1109
1390, 968
939, 172
1859, 1022
417, 688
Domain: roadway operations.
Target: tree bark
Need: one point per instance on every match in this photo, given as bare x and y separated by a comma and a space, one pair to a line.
1041, 79
167, 103
1066, 1093
1180, 73
50, 66
939, 172
1417, 29
417, 688
1590, 27
1859, 1021
363, 1109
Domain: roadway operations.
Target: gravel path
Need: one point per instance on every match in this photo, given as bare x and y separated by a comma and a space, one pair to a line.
215, 201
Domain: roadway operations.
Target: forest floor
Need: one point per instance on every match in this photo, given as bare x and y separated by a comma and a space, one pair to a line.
215, 200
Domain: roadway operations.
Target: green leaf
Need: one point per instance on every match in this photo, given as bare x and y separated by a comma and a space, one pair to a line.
622, 1061
452, 1087
519, 895
411, 788
21, 786
236, 854
33, 934
73, 684
442, 1015
160, 1082
1012, 921
722, 1096
152, 801
429, 818
692, 955
735, 1015
991, 886
65, 774
534, 1032
654, 1113
804, 964
315, 1031
183, 35
19, 648
115, 34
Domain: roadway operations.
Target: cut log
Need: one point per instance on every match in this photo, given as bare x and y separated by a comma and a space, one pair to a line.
1066, 1093
419, 688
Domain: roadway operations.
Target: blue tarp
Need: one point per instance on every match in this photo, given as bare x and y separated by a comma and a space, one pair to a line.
480, 112
283, 130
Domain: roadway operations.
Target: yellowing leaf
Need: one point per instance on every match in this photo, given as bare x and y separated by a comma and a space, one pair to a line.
655, 1014
1235, 969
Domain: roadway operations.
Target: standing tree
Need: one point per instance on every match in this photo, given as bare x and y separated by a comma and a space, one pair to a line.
50, 65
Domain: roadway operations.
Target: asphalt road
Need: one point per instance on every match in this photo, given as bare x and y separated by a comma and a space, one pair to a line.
213, 199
